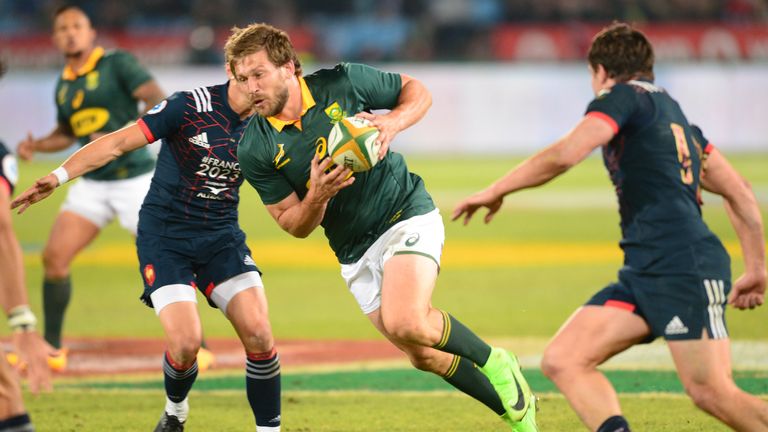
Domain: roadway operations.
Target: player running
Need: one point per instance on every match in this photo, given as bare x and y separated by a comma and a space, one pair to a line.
189, 238
382, 224
676, 274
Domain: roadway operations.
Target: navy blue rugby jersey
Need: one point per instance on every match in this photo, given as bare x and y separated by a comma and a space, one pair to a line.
654, 161
9, 171
196, 182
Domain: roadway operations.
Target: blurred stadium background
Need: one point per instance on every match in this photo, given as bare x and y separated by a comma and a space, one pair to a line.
507, 77
517, 63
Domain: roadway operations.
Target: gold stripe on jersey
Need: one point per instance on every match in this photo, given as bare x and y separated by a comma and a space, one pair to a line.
70, 75
307, 102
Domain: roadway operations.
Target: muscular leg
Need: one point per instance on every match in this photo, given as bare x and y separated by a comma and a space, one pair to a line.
181, 323
248, 313
591, 336
69, 235
409, 321
704, 367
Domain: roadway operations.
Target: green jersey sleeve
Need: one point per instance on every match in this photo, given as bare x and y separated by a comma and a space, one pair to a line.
375, 88
258, 168
130, 72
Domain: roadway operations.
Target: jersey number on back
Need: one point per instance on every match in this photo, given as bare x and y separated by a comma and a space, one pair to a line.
683, 153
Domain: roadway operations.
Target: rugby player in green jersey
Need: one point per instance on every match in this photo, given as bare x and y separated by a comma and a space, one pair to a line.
381, 224
97, 93
676, 278
31, 348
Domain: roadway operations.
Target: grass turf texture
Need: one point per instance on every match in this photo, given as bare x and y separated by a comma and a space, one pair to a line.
543, 256
568, 225
90, 411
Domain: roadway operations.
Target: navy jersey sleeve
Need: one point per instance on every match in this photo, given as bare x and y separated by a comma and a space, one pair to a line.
9, 172
702, 143
165, 118
131, 73
377, 89
615, 105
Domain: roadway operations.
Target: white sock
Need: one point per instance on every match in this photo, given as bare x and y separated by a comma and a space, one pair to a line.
178, 409
267, 428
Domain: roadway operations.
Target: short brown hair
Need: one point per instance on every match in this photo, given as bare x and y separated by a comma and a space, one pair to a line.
624, 52
257, 37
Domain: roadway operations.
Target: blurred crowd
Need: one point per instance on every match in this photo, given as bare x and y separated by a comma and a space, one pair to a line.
370, 30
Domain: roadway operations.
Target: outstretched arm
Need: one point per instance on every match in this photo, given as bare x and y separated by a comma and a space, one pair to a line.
589, 134
301, 217
91, 156
719, 177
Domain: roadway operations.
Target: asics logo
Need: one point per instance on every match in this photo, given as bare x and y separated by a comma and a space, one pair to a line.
412, 240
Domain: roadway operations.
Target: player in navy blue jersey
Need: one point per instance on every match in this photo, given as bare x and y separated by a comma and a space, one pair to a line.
676, 278
189, 238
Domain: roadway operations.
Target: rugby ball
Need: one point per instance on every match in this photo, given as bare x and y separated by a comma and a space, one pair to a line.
352, 143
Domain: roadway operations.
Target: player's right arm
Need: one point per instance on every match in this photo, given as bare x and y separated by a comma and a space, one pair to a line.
299, 217
721, 178
90, 157
59, 139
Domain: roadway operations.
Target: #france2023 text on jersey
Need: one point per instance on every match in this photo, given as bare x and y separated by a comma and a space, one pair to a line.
99, 98
196, 183
654, 161
275, 157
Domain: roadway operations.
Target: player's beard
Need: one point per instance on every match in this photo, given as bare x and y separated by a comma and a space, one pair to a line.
73, 54
281, 98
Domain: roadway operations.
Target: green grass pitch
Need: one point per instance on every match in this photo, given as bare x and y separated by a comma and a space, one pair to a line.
519, 277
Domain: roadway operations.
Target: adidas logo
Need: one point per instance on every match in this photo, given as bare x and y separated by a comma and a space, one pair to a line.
200, 140
675, 327
249, 261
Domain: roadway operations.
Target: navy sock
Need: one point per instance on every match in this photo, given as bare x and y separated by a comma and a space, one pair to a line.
178, 381
56, 295
465, 376
262, 382
19, 423
614, 424
458, 339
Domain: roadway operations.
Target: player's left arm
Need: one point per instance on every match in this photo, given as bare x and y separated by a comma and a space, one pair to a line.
721, 178
590, 133
412, 104
150, 93
95, 154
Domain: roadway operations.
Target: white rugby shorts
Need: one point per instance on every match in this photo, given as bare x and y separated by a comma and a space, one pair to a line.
420, 235
100, 201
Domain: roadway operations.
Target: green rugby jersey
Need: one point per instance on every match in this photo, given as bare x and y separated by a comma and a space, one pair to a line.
275, 158
98, 98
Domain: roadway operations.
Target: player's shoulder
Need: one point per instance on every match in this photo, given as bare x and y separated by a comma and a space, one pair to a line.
339, 71
202, 98
116, 54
